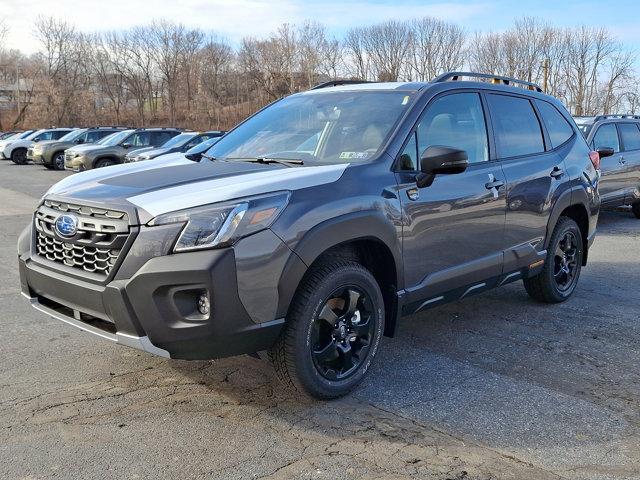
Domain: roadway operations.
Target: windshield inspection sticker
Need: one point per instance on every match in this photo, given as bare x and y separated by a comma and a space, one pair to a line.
354, 155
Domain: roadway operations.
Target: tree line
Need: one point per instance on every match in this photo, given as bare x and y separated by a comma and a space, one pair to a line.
167, 73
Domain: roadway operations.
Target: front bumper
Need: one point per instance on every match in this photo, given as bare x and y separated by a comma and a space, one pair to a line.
77, 164
151, 304
36, 157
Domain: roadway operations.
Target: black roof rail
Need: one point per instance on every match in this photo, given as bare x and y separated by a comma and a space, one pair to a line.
337, 83
110, 126
455, 76
615, 115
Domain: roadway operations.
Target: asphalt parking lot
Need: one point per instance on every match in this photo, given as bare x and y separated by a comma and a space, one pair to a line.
492, 387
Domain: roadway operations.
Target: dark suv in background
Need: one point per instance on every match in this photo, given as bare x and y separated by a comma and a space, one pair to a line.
178, 144
113, 151
51, 153
313, 226
619, 137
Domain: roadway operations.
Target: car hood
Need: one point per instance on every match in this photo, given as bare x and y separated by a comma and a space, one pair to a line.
156, 152
86, 148
175, 183
137, 151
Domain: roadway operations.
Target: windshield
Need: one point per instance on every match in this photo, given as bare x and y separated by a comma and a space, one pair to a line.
115, 138
72, 135
327, 127
178, 140
204, 146
104, 140
22, 135
34, 135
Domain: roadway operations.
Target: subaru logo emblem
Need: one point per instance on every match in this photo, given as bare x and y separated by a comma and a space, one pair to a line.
66, 225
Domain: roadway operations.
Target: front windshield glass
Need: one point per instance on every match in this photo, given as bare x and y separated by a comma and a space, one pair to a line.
324, 127
72, 135
34, 134
204, 146
178, 140
116, 138
104, 140
23, 134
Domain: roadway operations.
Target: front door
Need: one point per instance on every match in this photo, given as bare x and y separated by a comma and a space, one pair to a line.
612, 184
453, 232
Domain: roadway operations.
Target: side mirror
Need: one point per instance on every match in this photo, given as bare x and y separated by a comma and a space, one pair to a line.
36, 140
196, 157
605, 151
440, 160
126, 145
79, 141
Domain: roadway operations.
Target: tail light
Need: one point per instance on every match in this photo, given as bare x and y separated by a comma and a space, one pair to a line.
595, 159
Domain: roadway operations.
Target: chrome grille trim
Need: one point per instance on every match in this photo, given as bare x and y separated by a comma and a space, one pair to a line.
90, 259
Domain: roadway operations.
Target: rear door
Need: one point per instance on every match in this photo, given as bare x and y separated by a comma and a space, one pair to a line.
453, 230
532, 168
630, 160
612, 184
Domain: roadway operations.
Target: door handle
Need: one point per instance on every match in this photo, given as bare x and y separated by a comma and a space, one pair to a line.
557, 172
622, 160
494, 184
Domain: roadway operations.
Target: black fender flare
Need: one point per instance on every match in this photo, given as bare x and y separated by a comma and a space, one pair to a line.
569, 198
361, 225
105, 157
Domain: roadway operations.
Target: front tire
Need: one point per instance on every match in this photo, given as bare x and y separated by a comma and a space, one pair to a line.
19, 156
635, 208
105, 162
333, 330
58, 161
559, 277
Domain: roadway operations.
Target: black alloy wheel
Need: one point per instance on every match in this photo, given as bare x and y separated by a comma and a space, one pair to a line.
341, 333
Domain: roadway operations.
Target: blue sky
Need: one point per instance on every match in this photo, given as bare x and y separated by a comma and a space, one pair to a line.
237, 18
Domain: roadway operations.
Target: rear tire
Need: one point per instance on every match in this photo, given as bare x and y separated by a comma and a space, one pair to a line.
105, 162
19, 156
635, 208
333, 330
559, 277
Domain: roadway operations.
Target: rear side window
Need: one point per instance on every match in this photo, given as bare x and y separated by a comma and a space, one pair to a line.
160, 138
606, 136
558, 127
96, 135
630, 136
457, 121
58, 134
516, 125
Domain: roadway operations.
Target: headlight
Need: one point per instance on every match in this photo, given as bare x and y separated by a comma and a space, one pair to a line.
221, 224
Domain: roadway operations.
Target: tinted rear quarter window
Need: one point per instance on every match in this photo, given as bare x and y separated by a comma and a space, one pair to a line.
559, 129
606, 137
517, 129
630, 136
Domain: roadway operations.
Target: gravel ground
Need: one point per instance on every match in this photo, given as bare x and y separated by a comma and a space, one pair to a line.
492, 387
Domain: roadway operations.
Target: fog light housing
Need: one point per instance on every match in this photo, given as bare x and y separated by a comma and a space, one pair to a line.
203, 304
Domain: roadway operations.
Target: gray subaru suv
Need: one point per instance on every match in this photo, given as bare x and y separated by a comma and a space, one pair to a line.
619, 136
311, 228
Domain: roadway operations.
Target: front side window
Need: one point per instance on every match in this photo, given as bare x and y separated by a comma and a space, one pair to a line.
44, 136
517, 129
455, 121
409, 156
139, 139
606, 137
343, 126
630, 136
558, 127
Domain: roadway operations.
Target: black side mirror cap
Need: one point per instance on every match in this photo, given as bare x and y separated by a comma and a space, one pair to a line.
194, 156
440, 160
605, 151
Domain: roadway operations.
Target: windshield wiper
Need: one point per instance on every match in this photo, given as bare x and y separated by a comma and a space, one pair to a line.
289, 162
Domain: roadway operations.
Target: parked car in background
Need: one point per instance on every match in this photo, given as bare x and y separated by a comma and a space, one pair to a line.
198, 152
409, 196
617, 138
17, 150
8, 134
179, 143
113, 151
51, 153
10, 139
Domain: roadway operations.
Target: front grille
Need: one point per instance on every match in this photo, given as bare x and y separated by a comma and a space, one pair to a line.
90, 259
68, 156
97, 245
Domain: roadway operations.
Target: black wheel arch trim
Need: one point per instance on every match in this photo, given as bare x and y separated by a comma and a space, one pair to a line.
343, 229
575, 196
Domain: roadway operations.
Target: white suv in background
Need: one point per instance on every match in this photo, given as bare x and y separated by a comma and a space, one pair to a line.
13, 138
16, 149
